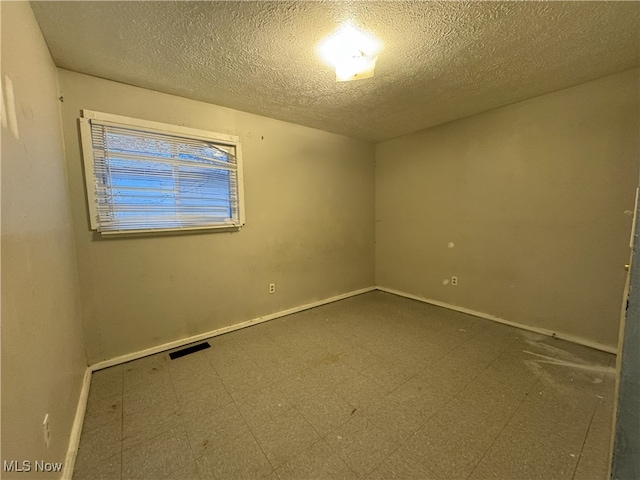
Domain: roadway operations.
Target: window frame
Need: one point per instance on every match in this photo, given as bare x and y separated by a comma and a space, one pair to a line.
89, 116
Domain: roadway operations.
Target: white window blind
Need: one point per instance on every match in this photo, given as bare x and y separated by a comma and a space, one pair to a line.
142, 180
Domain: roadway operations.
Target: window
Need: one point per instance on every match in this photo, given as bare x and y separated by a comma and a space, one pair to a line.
146, 176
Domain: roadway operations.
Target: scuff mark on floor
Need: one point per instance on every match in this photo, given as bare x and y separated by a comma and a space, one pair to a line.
564, 363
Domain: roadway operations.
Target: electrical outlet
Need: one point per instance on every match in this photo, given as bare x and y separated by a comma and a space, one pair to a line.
272, 288
454, 281
46, 430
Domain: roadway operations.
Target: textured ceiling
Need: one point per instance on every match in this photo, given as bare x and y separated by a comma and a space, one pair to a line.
441, 60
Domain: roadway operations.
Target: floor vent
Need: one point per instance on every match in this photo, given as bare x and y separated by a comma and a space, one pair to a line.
188, 350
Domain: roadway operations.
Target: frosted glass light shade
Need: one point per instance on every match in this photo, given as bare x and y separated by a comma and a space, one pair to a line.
351, 51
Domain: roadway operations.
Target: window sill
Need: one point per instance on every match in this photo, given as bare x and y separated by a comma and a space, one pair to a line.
166, 231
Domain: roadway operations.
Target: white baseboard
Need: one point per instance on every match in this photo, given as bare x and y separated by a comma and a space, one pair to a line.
213, 333
76, 428
488, 316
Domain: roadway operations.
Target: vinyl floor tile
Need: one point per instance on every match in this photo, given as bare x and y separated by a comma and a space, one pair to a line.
360, 390
318, 462
109, 468
375, 386
218, 426
325, 411
186, 472
158, 457
103, 411
106, 382
361, 445
452, 446
151, 369
98, 445
285, 437
395, 417
145, 425
203, 399
147, 393
239, 458
403, 464
427, 394
261, 406
508, 460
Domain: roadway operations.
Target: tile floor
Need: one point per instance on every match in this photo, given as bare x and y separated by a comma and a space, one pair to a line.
375, 387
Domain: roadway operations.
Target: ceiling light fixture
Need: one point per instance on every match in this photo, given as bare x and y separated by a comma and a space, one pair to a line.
351, 51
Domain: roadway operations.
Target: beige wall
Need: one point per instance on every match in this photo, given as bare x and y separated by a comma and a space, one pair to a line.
309, 228
43, 360
533, 197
